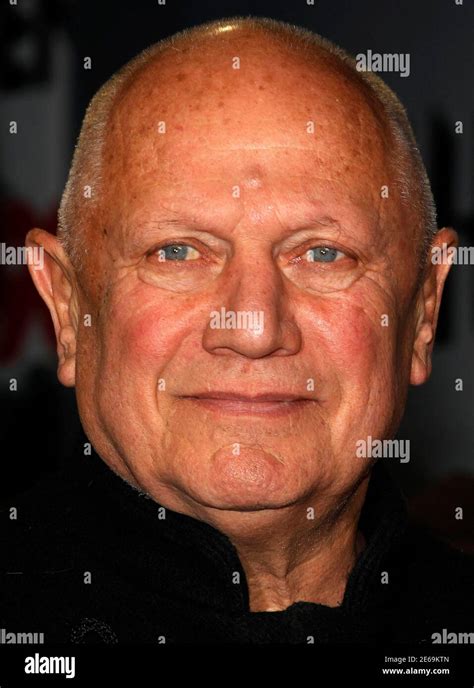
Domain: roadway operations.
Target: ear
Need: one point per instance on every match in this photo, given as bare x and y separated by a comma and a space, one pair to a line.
55, 283
439, 265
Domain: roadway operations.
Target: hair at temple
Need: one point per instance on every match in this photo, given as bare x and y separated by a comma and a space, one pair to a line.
86, 169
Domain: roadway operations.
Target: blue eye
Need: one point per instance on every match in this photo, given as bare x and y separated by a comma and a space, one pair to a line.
180, 252
321, 254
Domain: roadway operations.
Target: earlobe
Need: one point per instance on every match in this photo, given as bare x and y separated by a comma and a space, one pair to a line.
67, 356
54, 284
420, 368
421, 357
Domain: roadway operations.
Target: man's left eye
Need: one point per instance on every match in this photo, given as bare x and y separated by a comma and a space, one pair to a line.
323, 254
180, 252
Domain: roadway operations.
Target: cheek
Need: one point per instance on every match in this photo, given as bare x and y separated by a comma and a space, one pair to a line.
352, 338
356, 337
145, 328
150, 336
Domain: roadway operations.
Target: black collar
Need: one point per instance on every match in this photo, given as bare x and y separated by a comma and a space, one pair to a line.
181, 557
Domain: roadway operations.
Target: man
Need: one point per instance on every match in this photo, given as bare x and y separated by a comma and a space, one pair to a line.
241, 293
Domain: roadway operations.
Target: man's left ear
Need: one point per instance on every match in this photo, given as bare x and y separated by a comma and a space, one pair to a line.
431, 292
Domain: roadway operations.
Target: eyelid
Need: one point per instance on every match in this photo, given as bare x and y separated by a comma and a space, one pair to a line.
297, 253
206, 259
174, 242
300, 252
166, 233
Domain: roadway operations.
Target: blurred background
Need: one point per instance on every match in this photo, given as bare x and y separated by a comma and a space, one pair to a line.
45, 85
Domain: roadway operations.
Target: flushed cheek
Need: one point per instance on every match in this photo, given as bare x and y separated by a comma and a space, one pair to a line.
147, 335
355, 342
359, 348
139, 341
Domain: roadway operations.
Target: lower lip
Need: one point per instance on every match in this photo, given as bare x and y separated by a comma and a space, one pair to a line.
239, 407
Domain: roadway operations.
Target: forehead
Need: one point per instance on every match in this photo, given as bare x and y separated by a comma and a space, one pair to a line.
275, 99
283, 186
191, 125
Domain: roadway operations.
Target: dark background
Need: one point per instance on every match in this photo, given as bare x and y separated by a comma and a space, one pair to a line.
45, 88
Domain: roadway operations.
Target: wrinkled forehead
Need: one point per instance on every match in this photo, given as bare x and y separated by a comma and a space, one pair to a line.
191, 127
239, 99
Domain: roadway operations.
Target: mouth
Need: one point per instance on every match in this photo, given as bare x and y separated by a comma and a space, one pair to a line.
240, 404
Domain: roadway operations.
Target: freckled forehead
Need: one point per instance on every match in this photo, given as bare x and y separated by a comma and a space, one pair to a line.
269, 103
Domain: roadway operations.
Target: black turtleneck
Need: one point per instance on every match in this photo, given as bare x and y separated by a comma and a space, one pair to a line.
91, 559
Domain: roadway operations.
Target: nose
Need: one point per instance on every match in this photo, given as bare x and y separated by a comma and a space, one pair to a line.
252, 315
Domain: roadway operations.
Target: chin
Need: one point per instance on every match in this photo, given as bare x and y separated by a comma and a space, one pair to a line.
242, 502
252, 481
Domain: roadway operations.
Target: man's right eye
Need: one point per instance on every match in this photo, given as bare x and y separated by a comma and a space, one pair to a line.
177, 252
323, 254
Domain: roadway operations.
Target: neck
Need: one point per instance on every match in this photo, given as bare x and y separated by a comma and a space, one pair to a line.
285, 563
291, 554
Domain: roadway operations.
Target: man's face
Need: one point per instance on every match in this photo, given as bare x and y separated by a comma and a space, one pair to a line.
229, 207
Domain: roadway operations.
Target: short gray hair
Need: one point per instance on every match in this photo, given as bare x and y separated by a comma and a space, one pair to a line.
86, 168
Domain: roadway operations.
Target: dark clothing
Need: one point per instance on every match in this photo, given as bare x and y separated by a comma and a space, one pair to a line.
174, 579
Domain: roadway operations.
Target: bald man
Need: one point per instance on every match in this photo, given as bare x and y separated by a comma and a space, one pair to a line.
242, 294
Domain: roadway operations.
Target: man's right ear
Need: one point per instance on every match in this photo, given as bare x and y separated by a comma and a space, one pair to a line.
53, 277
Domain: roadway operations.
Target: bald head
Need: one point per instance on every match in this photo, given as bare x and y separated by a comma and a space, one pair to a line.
229, 75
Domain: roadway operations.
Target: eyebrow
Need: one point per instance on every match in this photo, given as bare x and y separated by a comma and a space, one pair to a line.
148, 231
311, 223
327, 221
150, 227
324, 221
